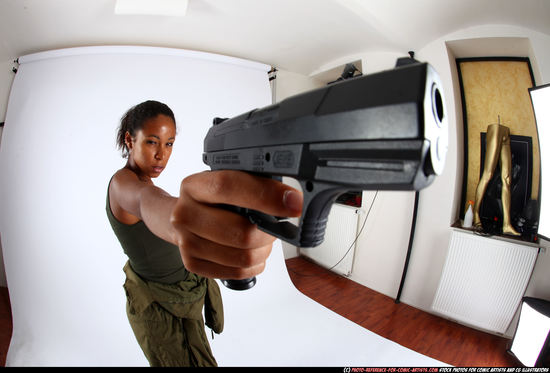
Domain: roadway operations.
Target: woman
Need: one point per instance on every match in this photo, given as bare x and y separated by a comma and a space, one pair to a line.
176, 246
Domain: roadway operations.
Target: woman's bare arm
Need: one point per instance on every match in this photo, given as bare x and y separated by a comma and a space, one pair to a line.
213, 242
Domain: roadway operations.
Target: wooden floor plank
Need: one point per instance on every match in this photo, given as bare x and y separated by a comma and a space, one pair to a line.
420, 331
5, 324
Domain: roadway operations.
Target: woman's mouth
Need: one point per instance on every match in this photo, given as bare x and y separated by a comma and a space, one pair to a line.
158, 169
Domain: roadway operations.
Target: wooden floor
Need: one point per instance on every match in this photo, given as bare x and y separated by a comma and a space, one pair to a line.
5, 324
427, 334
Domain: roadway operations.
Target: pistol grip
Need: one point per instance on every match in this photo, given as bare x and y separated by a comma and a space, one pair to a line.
318, 200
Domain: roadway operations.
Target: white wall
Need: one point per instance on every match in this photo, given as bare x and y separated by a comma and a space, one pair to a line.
289, 83
440, 209
382, 246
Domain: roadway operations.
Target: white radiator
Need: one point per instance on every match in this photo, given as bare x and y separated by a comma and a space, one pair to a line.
483, 280
337, 250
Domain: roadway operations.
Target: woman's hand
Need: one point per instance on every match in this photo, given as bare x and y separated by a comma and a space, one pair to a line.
217, 243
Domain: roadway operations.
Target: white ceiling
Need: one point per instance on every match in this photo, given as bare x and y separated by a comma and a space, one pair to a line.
295, 35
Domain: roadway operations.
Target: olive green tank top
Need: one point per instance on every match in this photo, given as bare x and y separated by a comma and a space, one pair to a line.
151, 257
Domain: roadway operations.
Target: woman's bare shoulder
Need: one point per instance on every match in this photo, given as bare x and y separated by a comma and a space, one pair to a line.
124, 173
123, 190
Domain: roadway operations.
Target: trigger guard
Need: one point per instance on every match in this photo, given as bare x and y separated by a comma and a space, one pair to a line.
274, 226
318, 202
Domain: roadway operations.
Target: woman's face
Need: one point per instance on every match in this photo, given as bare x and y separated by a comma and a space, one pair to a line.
151, 147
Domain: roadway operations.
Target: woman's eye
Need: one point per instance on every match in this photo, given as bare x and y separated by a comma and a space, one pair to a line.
151, 142
169, 144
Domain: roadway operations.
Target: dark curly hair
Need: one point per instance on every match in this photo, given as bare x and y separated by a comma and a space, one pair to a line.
134, 119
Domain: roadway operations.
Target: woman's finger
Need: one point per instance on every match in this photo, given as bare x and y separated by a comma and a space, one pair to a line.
214, 224
201, 255
244, 190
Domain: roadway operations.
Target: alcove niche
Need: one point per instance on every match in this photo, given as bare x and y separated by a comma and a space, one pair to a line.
480, 48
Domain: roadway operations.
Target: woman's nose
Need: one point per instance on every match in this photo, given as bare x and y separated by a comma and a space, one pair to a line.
161, 153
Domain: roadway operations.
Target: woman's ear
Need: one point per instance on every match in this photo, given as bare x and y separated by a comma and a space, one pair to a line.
128, 140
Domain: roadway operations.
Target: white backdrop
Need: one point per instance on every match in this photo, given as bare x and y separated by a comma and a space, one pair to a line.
64, 264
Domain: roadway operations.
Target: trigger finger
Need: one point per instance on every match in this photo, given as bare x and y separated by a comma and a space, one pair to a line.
223, 227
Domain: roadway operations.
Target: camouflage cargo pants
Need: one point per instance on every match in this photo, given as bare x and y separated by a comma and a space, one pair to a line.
167, 320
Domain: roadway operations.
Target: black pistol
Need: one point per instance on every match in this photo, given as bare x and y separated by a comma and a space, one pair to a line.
384, 131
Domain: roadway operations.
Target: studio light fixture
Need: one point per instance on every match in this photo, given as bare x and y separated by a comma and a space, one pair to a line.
174, 8
531, 341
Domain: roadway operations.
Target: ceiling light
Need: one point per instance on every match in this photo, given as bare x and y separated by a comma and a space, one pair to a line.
176, 8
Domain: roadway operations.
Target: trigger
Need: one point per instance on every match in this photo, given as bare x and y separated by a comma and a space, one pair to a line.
260, 218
